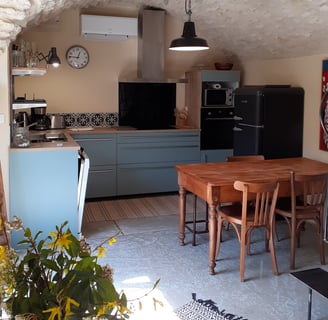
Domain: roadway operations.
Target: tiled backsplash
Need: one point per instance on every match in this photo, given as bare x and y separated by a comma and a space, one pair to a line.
91, 119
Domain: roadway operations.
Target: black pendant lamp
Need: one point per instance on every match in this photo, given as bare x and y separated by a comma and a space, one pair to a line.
189, 40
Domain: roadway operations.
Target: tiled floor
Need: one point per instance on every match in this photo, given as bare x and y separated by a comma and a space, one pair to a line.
149, 250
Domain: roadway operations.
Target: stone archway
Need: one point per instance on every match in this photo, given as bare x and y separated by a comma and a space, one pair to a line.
15, 15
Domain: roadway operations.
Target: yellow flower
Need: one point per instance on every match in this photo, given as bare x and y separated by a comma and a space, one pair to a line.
55, 311
3, 254
60, 241
111, 240
101, 252
109, 306
69, 302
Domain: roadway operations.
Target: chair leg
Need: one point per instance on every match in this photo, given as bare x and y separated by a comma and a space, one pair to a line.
248, 242
242, 254
321, 245
292, 243
273, 253
219, 236
267, 240
194, 216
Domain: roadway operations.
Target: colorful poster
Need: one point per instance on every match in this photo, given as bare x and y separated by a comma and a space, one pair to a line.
323, 145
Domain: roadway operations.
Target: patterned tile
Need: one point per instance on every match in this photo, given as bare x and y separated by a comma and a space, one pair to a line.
91, 119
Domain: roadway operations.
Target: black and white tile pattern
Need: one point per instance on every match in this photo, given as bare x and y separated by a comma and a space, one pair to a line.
91, 119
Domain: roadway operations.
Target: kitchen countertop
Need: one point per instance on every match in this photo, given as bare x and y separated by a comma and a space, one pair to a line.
123, 129
70, 144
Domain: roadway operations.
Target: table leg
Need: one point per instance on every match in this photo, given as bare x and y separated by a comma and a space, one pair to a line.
310, 304
182, 214
212, 225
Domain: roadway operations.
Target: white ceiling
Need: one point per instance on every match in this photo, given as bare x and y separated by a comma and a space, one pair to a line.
241, 29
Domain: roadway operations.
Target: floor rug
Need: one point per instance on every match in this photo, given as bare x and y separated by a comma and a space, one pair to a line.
138, 207
198, 309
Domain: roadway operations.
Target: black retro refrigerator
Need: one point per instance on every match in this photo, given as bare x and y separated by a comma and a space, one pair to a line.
269, 121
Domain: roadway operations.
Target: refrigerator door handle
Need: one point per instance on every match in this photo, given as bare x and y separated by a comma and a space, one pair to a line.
251, 125
217, 119
237, 129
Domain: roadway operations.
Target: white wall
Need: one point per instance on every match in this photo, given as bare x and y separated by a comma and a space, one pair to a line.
304, 72
4, 127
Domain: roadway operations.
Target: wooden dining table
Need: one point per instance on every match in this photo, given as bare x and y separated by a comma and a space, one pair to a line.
213, 182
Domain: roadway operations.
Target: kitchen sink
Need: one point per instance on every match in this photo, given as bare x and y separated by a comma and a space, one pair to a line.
47, 137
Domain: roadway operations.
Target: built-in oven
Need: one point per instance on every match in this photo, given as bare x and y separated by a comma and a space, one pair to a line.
217, 128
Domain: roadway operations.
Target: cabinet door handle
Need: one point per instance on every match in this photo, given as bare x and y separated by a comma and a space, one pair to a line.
98, 139
159, 147
143, 168
100, 171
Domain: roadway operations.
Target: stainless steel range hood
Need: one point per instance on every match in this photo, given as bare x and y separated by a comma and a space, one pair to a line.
151, 47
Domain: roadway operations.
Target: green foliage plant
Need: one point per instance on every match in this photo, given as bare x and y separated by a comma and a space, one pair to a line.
58, 278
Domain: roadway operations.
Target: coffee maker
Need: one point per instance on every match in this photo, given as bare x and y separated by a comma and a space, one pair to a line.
39, 116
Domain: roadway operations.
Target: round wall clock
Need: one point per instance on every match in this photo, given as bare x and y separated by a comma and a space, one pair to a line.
77, 57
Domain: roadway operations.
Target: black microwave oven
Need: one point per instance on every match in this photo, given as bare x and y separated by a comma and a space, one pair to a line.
214, 97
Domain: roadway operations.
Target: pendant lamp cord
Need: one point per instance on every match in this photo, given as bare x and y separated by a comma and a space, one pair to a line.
188, 10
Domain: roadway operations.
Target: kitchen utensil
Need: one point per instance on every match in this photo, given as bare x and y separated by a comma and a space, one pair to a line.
21, 137
22, 119
57, 121
223, 65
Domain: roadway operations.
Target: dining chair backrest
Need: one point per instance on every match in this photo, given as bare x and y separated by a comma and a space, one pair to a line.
307, 201
311, 190
263, 196
245, 158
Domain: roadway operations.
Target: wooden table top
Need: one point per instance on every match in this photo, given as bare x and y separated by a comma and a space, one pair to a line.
224, 173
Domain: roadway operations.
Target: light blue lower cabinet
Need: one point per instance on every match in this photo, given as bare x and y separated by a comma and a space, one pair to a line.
136, 162
43, 190
147, 178
145, 161
101, 183
101, 149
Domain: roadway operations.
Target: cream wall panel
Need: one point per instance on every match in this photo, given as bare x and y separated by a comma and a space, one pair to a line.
91, 89
94, 88
4, 127
304, 72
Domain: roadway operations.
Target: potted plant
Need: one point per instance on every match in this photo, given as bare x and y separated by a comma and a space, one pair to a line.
58, 278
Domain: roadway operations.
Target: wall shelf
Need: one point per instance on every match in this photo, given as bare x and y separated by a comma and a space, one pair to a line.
22, 71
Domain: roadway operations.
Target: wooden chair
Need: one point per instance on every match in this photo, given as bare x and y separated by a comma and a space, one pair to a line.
244, 217
4, 237
194, 221
243, 159
307, 201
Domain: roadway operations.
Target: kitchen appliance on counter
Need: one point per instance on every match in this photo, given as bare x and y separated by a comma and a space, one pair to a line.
57, 121
269, 121
22, 119
216, 94
39, 116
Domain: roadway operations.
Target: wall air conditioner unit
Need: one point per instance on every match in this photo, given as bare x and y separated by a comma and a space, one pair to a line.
108, 27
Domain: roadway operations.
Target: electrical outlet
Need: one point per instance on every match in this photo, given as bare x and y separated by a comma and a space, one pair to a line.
2, 118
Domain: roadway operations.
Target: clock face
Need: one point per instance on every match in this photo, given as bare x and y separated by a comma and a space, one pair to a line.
77, 57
